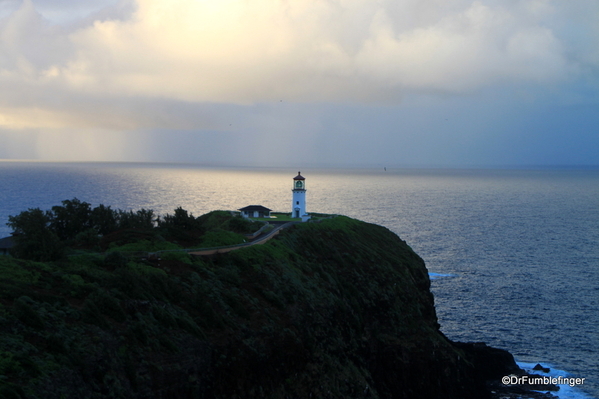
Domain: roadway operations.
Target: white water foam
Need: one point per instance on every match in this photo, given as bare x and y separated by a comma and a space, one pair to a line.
565, 391
434, 276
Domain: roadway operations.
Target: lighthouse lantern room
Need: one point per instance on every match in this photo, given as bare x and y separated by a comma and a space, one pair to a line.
298, 205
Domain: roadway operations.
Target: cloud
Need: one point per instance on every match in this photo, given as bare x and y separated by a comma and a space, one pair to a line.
474, 48
125, 66
241, 52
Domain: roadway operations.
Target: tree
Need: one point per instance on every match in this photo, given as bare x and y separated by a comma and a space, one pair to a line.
71, 218
104, 219
142, 219
180, 220
33, 237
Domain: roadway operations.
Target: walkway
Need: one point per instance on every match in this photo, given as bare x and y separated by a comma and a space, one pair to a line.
229, 248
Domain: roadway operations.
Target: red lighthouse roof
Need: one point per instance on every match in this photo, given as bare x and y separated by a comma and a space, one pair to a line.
299, 176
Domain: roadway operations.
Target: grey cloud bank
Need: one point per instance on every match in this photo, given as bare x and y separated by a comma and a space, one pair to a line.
346, 82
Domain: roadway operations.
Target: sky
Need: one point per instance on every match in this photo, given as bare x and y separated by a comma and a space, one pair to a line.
306, 83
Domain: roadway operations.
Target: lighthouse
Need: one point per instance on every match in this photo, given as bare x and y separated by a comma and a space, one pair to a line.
298, 203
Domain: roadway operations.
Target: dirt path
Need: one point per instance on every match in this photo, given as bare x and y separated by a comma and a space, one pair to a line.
261, 240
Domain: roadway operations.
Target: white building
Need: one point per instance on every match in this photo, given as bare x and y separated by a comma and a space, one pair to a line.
255, 211
298, 203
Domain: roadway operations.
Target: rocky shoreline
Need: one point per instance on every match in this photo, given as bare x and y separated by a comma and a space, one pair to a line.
492, 365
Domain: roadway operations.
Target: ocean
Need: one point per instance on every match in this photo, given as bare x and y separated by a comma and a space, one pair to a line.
513, 254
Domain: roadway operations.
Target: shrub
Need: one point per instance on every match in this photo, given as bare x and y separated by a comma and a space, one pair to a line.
15, 270
242, 225
145, 246
108, 305
27, 314
180, 256
8, 363
115, 259
92, 314
88, 238
221, 238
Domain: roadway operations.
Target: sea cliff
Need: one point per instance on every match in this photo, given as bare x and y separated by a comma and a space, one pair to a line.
335, 309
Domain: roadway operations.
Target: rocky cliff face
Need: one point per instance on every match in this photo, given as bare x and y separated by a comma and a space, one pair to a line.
347, 312
337, 309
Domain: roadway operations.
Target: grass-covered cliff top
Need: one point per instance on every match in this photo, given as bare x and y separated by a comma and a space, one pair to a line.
75, 227
335, 309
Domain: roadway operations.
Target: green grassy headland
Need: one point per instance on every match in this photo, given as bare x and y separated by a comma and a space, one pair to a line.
331, 309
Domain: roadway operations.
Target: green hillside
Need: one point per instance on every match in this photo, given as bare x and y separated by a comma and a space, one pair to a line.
334, 309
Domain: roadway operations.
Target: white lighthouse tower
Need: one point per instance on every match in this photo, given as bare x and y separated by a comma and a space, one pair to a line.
298, 205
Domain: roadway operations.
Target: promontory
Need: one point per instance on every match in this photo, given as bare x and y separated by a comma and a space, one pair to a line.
332, 308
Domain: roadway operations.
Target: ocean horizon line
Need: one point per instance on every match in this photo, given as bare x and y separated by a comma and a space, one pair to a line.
310, 166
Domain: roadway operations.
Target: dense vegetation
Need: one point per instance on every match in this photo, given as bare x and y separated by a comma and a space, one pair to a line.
336, 309
47, 235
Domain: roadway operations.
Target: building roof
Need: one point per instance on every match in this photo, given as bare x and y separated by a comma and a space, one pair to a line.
299, 176
252, 208
7, 242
